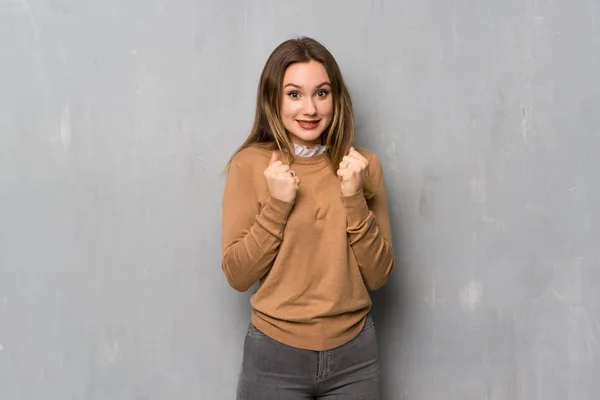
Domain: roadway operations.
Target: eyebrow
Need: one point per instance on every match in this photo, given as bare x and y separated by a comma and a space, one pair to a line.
300, 87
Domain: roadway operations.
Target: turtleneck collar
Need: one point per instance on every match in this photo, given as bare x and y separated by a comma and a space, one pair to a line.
304, 151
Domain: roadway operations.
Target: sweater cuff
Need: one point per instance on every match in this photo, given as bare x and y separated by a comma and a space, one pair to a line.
277, 211
357, 210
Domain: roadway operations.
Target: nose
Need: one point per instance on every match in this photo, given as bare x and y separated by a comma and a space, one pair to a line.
309, 106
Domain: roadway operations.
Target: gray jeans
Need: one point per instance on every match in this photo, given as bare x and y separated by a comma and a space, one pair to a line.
274, 371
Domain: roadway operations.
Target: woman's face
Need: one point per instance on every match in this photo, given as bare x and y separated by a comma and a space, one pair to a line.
307, 105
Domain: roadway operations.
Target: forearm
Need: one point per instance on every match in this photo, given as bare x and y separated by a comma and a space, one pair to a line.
372, 250
247, 258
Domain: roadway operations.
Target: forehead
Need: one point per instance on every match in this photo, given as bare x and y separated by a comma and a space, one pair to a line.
310, 73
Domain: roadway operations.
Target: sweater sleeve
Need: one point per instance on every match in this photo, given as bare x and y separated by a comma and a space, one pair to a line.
250, 237
369, 230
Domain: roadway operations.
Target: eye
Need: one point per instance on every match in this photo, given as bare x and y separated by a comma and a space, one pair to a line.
322, 93
294, 95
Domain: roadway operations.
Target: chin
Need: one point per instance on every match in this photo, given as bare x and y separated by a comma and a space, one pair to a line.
312, 136
308, 138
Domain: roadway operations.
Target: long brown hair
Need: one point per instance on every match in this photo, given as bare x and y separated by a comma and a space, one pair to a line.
268, 130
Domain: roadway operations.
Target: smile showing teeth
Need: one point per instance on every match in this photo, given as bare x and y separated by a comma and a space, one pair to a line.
308, 124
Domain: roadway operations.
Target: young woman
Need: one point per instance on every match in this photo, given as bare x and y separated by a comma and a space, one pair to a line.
306, 215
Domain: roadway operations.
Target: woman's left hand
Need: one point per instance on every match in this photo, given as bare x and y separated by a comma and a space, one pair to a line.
352, 170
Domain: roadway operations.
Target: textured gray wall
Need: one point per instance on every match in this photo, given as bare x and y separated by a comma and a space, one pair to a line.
117, 116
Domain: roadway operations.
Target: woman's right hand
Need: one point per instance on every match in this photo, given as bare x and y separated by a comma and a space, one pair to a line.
282, 182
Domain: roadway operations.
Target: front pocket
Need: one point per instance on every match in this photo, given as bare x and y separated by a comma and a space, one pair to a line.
255, 333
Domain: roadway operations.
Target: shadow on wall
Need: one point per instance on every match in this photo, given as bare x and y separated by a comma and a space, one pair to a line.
390, 311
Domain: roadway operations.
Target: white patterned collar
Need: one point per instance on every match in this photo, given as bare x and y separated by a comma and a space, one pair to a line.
304, 151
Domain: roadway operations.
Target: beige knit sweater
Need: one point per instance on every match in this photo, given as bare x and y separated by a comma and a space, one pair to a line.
315, 258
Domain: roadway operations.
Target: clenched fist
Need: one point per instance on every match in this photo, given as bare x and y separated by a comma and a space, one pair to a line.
352, 170
282, 182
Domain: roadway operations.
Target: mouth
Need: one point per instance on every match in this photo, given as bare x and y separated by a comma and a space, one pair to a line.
308, 124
